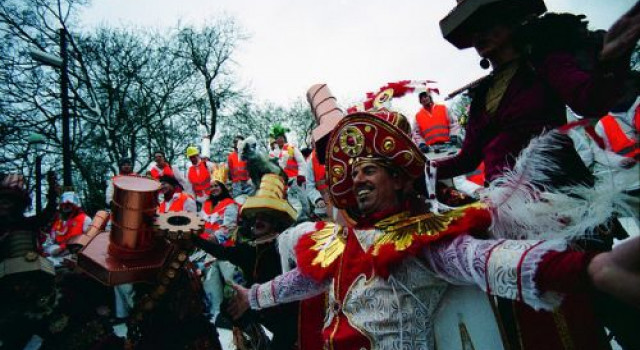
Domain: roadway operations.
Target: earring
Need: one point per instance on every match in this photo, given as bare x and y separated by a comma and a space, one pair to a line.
484, 63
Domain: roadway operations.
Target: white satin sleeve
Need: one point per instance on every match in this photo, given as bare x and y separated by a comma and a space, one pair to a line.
505, 268
288, 287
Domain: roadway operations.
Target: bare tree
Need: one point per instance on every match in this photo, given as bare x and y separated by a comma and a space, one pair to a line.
131, 93
210, 50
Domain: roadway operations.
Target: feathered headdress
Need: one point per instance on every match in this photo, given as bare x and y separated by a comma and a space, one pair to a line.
386, 93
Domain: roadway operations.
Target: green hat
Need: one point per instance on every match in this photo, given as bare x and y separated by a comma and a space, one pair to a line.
278, 130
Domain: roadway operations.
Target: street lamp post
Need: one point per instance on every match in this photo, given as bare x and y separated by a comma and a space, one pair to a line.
61, 63
37, 140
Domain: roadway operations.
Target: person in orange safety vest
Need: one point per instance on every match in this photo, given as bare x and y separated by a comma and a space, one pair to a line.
71, 221
238, 171
173, 198
290, 158
433, 123
220, 215
160, 166
199, 175
619, 130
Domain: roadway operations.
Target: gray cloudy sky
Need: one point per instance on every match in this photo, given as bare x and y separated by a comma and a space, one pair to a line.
355, 46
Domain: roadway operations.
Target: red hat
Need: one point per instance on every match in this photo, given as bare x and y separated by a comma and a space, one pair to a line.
381, 136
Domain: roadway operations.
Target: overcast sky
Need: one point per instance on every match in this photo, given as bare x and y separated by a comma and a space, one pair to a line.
355, 46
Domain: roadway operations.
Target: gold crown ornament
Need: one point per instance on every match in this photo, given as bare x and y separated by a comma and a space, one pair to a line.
220, 173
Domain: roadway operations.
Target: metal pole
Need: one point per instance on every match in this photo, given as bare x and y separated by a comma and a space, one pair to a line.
64, 87
38, 183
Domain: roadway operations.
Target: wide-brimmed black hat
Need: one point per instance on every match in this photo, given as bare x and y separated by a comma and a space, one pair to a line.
470, 15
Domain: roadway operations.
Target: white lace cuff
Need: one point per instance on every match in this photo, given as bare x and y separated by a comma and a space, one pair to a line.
261, 296
511, 269
288, 287
505, 268
531, 295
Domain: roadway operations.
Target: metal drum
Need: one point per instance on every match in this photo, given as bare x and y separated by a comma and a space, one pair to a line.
133, 210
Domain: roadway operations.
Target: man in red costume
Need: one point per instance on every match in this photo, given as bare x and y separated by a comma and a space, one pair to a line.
386, 276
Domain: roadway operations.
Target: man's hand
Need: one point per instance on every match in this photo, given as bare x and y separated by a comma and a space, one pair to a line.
618, 272
320, 203
622, 36
239, 304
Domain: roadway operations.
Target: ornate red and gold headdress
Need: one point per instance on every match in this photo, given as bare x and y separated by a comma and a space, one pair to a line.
380, 136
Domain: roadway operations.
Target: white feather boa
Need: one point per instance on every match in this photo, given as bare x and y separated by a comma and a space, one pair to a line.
522, 210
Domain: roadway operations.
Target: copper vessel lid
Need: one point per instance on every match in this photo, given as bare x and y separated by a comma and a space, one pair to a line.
135, 183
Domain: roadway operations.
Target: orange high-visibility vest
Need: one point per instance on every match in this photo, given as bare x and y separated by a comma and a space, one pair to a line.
237, 168
65, 230
477, 176
620, 143
213, 223
291, 168
157, 172
318, 172
200, 179
434, 125
176, 205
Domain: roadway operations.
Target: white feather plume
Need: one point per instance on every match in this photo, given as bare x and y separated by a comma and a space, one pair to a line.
523, 209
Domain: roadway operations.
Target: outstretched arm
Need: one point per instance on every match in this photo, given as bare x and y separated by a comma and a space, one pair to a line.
288, 287
506, 268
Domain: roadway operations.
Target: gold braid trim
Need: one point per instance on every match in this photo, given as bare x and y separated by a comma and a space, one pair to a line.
401, 229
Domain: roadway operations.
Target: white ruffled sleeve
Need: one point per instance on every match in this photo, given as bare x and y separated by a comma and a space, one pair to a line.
288, 287
505, 268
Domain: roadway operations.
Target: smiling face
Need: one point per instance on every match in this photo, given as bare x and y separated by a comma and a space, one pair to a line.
166, 188
375, 188
194, 160
216, 189
262, 226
